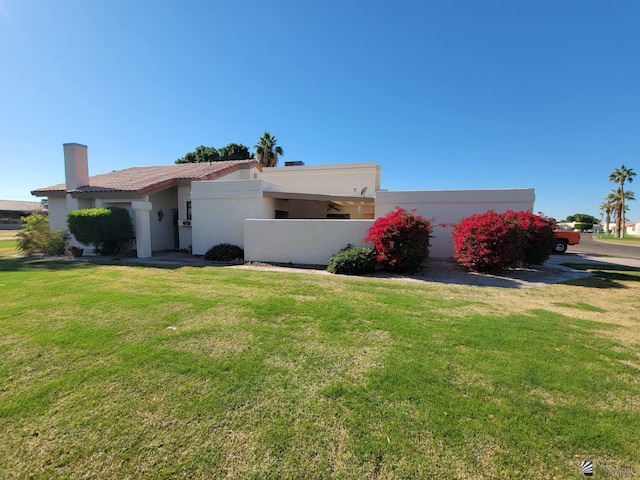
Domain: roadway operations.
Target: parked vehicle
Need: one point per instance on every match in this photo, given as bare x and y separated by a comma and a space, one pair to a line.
564, 238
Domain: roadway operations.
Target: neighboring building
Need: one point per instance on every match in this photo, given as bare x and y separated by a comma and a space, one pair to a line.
295, 213
12, 210
632, 228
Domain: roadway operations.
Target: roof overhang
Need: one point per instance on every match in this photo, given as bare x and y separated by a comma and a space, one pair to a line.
315, 197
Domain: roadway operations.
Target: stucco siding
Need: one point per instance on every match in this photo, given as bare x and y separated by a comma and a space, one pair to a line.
220, 207
451, 206
162, 231
300, 241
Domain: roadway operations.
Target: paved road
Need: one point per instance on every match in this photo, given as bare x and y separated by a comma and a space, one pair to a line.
593, 248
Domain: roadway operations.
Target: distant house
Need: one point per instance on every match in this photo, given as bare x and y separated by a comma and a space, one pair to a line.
12, 210
295, 213
632, 228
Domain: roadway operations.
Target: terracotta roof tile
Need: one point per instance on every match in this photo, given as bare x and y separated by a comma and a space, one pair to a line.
142, 180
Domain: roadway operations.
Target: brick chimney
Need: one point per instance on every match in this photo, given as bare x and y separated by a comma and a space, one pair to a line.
76, 165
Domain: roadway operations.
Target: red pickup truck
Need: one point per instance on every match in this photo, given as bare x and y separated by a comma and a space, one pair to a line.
565, 238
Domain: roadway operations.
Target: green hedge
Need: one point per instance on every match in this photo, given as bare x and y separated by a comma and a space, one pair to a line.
353, 261
107, 229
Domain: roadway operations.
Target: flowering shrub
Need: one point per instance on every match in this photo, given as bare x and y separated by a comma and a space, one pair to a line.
490, 241
539, 238
401, 240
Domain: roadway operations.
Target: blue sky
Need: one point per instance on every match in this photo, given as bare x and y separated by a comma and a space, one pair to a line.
447, 94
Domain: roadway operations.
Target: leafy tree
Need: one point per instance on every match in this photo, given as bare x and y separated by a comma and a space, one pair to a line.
201, 154
35, 236
267, 150
582, 218
621, 176
234, 151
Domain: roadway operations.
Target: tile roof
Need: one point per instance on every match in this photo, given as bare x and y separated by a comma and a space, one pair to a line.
142, 180
20, 206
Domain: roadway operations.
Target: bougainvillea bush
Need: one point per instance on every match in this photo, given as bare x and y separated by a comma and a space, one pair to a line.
490, 241
539, 238
400, 240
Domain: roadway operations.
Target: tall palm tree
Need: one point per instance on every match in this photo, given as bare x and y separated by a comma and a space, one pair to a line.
267, 151
620, 176
608, 207
617, 199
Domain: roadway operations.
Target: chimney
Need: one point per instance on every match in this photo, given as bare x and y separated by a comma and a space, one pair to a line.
76, 165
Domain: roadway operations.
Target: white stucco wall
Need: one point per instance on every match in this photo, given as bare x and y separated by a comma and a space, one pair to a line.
57, 212
300, 241
451, 206
219, 209
162, 230
340, 179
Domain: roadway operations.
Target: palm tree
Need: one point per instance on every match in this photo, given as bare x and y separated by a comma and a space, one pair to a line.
617, 200
620, 176
608, 207
266, 150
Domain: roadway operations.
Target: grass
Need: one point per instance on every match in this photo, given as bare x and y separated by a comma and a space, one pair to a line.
140, 372
628, 239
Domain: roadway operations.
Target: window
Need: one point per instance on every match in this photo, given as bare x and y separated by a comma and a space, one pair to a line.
188, 209
282, 214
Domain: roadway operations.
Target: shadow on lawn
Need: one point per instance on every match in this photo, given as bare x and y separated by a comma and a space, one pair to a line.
605, 276
17, 264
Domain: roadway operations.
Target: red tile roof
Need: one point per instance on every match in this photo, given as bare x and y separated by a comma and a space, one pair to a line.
142, 180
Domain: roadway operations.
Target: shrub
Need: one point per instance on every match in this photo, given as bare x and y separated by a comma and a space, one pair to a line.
538, 236
353, 261
487, 242
224, 252
401, 240
490, 241
35, 237
107, 229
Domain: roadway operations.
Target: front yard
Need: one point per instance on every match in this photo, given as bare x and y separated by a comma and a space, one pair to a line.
142, 372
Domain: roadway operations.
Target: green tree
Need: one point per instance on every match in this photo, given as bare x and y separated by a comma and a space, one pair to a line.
234, 151
621, 176
267, 151
608, 208
618, 200
201, 154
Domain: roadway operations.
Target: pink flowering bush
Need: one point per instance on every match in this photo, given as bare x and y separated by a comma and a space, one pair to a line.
490, 241
538, 232
400, 240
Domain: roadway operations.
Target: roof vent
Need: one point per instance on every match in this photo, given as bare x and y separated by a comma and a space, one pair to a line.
295, 163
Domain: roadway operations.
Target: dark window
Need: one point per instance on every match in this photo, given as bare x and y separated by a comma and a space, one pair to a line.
280, 214
188, 209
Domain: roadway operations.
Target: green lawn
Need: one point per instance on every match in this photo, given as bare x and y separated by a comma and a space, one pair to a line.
141, 372
628, 239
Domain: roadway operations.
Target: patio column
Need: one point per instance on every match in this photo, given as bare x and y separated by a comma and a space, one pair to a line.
143, 228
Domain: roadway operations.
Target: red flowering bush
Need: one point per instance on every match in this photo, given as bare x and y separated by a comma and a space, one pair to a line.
539, 239
490, 241
401, 240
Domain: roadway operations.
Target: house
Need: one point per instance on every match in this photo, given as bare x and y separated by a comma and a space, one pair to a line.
632, 228
296, 213
12, 210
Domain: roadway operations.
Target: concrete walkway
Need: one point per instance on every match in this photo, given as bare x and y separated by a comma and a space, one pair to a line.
437, 270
